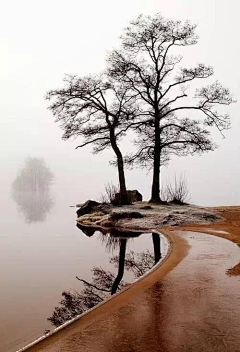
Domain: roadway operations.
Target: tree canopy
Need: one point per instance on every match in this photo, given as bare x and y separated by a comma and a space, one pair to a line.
98, 111
147, 64
146, 90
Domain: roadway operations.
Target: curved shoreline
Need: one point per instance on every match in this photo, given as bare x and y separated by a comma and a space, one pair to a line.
229, 229
189, 309
177, 250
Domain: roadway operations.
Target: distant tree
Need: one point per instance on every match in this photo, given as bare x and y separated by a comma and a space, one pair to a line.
147, 65
34, 176
98, 111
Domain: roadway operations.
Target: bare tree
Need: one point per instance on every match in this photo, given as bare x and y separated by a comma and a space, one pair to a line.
96, 110
147, 64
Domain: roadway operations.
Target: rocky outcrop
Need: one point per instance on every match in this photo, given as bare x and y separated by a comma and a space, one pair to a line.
91, 206
87, 207
141, 216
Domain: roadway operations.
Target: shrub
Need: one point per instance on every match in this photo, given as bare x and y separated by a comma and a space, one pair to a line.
110, 192
176, 193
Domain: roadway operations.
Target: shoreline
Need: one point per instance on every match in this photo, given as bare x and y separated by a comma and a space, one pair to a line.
177, 250
228, 229
226, 223
142, 216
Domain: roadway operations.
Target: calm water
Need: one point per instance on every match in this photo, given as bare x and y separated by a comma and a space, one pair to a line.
194, 308
42, 252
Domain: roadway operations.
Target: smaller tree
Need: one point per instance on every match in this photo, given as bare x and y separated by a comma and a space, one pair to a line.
98, 111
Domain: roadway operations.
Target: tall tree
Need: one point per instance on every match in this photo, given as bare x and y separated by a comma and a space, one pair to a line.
147, 64
98, 111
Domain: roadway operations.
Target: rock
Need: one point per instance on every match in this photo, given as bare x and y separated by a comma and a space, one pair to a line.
133, 196
87, 207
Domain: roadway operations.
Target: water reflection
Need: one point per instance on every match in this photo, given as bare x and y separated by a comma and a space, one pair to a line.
157, 247
30, 190
34, 205
88, 231
121, 260
104, 283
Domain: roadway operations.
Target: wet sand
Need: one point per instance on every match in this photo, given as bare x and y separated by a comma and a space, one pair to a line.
229, 229
195, 307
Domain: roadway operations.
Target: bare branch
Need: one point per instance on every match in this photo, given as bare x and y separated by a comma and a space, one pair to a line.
93, 286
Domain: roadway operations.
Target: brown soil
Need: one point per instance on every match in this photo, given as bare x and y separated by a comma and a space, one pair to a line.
231, 225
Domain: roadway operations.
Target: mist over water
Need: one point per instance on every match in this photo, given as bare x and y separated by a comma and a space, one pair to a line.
41, 248
33, 61
31, 190
42, 252
33, 205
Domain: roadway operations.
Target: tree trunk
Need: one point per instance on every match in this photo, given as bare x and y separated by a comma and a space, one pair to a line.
120, 165
155, 196
119, 277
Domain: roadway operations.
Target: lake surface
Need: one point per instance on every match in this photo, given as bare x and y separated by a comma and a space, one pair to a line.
194, 308
42, 252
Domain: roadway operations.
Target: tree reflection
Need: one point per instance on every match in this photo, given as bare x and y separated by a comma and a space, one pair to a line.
30, 190
104, 283
157, 247
34, 205
137, 263
94, 292
88, 231
121, 260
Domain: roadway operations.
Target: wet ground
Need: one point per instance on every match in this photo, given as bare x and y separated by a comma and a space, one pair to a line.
195, 307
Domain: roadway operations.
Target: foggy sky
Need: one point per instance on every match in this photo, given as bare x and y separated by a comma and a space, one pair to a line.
42, 40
